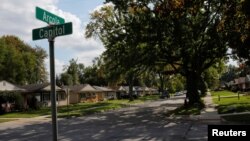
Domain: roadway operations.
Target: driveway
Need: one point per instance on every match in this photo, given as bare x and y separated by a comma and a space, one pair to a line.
140, 122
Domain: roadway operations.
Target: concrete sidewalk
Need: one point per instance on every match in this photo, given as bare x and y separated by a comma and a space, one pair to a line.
209, 112
198, 129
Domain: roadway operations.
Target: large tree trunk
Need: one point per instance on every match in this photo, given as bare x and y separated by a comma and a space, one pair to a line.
131, 98
131, 80
161, 83
192, 88
202, 86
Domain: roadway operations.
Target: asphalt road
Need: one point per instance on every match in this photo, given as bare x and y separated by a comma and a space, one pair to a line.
136, 123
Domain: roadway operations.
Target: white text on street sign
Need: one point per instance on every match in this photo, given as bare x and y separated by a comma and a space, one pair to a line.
52, 31
48, 17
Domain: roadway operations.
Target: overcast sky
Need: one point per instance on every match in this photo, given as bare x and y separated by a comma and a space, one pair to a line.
17, 17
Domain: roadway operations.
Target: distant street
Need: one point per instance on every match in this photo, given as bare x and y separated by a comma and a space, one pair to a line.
142, 122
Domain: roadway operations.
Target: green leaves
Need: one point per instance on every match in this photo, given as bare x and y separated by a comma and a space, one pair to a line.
20, 63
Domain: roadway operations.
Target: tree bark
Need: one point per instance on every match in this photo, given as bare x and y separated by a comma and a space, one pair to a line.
202, 86
161, 83
192, 88
131, 80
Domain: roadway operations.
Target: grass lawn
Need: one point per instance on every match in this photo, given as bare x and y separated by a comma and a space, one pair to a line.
232, 104
27, 114
149, 97
81, 109
6, 120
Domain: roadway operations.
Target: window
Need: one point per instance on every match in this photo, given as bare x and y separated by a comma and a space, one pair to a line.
46, 97
93, 95
61, 96
38, 98
82, 95
88, 94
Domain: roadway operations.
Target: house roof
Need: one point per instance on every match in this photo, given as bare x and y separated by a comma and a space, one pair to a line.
153, 89
241, 80
121, 88
248, 78
138, 88
82, 88
7, 86
236, 81
44, 87
105, 89
127, 88
145, 88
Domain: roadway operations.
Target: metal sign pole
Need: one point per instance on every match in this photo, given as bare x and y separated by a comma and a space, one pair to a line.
53, 90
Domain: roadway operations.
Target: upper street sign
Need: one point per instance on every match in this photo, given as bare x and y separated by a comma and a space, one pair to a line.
52, 31
48, 17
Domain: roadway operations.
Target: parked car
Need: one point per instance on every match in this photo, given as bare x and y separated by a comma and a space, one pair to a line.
180, 93
177, 94
165, 94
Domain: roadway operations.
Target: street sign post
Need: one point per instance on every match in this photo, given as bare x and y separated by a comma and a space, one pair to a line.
52, 31
57, 27
48, 17
53, 89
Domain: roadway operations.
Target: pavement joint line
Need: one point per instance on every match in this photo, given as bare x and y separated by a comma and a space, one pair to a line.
187, 131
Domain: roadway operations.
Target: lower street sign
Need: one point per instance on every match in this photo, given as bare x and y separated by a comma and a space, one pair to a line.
52, 31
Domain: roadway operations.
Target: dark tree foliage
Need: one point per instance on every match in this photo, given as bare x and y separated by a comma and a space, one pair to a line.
236, 26
183, 33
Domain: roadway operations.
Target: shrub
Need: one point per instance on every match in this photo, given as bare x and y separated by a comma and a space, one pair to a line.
33, 103
14, 98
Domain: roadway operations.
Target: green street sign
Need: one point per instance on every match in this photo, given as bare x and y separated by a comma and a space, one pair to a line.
52, 31
48, 17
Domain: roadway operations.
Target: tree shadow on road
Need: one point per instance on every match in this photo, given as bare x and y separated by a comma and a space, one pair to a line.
139, 124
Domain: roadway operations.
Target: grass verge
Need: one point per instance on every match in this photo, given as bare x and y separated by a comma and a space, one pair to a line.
81, 109
27, 114
6, 120
231, 104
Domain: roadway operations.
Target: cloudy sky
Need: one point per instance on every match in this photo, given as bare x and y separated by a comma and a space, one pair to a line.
18, 18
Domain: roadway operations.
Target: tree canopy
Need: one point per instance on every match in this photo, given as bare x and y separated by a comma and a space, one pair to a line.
20, 63
236, 27
182, 33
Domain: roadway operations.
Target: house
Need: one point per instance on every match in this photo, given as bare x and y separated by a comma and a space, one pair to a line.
107, 92
247, 82
146, 91
153, 91
139, 91
149, 91
241, 83
123, 92
6, 86
83, 93
42, 94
